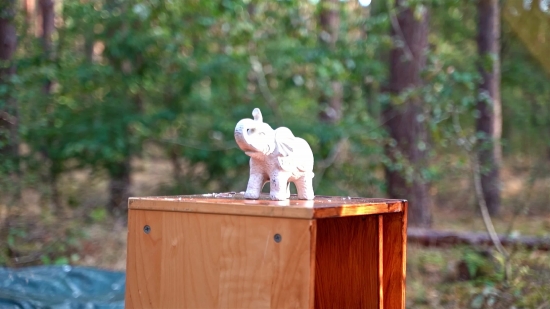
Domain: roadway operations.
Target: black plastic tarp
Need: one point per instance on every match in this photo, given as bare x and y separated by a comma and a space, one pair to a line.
63, 287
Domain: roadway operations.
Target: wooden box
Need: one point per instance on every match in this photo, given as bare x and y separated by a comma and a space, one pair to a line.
222, 251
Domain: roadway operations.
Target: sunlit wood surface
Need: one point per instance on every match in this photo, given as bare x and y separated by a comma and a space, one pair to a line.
235, 204
180, 256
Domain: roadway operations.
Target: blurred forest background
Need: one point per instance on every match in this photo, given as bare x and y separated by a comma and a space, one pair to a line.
443, 102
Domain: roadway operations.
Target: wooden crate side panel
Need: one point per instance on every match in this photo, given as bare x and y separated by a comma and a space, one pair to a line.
394, 257
380, 262
173, 265
256, 271
240, 259
312, 262
236, 204
292, 273
191, 252
217, 261
346, 269
143, 280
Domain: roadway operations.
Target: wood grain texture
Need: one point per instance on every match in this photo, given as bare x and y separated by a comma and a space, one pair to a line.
194, 260
312, 264
235, 204
380, 261
141, 280
394, 256
346, 269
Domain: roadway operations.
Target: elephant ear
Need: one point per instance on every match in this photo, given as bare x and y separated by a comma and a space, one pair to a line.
286, 143
257, 114
284, 140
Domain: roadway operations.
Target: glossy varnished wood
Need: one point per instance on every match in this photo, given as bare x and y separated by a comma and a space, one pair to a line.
394, 238
220, 252
346, 266
235, 204
191, 260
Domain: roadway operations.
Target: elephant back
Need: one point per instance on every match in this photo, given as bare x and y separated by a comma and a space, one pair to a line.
293, 153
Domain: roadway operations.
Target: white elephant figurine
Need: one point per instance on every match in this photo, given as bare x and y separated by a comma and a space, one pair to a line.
276, 156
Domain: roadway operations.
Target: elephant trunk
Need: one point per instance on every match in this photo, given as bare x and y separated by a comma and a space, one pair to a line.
240, 131
255, 138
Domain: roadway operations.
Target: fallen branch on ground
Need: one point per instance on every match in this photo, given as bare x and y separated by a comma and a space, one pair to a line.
436, 238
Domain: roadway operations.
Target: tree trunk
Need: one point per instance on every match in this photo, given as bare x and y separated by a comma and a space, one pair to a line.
329, 19
89, 47
177, 172
29, 7
489, 122
47, 28
120, 172
404, 121
8, 108
119, 188
48, 25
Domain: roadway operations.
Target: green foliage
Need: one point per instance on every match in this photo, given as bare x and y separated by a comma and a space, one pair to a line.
32, 242
179, 75
186, 74
98, 214
128, 75
484, 266
435, 279
166, 80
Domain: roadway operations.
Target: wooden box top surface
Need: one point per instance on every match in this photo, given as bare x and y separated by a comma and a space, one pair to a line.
235, 204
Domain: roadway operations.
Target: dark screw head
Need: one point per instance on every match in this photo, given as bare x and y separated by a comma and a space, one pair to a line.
277, 238
147, 229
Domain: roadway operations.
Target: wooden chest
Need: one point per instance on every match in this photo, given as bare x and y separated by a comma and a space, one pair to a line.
222, 251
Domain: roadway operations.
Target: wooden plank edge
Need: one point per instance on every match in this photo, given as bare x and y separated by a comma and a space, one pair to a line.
358, 210
404, 239
312, 258
228, 209
261, 210
381, 261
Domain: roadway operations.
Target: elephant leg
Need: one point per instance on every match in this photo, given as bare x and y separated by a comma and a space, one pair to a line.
288, 190
304, 186
255, 184
279, 187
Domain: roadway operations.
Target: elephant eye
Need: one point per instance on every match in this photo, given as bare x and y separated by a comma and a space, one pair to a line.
262, 133
250, 131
